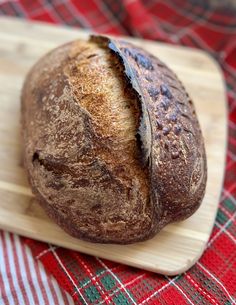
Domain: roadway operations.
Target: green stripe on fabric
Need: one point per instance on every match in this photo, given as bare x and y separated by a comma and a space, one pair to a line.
221, 217
229, 205
120, 299
108, 282
92, 293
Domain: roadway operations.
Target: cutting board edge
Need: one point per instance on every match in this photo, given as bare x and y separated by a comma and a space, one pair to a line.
148, 267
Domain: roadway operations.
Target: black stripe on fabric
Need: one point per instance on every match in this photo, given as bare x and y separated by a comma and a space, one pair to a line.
217, 19
189, 10
229, 13
6, 9
65, 13
118, 14
205, 5
199, 46
16, 9
47, 7
116, 7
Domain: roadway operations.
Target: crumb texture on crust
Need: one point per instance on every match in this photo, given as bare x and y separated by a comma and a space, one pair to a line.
113, 148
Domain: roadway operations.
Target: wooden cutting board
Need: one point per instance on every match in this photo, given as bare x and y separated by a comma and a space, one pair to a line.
178, 246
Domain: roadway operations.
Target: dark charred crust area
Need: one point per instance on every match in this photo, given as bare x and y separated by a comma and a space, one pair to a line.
153, 91
50, 163
139, 58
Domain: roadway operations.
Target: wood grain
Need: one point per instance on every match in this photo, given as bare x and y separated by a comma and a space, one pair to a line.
178, 246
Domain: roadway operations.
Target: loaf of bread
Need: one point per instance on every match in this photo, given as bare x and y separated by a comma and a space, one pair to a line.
112, 144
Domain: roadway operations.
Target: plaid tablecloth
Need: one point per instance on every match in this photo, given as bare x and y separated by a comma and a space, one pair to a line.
90, 280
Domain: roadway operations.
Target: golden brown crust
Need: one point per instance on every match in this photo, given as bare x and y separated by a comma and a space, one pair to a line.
113, 147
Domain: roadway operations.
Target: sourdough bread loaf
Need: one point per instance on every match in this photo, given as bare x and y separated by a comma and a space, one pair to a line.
112, 144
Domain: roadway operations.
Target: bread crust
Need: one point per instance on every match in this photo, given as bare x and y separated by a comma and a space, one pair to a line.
113, 147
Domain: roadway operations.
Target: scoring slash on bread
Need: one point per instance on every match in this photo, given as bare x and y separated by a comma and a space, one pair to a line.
112, 144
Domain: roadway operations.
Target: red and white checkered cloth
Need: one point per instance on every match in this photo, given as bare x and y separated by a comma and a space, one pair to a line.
90, 280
